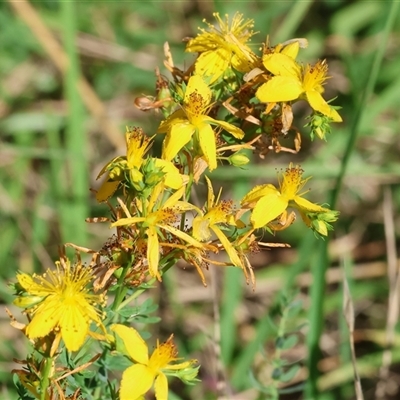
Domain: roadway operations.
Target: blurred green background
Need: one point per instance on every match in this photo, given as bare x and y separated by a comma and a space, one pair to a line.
58, 128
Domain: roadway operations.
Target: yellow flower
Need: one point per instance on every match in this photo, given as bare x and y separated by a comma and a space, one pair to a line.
60, 302
137, 145
128, 167
268, 202
218, 212
158, 214
224, 48
139, 378
292, 81
191, 120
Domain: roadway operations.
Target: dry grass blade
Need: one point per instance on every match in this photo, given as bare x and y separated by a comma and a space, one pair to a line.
348, 311
394, 285
45, 37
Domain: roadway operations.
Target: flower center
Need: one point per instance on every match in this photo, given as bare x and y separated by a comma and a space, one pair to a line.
196, 104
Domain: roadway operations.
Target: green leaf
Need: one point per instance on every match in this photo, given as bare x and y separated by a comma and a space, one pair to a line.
294, 309
285, 343
288, 375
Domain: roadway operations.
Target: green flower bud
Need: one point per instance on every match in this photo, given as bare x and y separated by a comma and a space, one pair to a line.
319, 125
152, 174
116, 173
238, 160
188, 375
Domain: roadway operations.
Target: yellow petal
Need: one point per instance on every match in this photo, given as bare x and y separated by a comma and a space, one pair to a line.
306, 205
207, 145
279, 88
267, 209
179, 366
213, 64
177, 117
291, 50
127, 221
136, 381
135, 346
200, 43
173, 179
106, 190
172, 200
232, 253
282, 64
201, 228
153, 252
74, 327
210, 193
156, 194
161, 387
196, 84
30, 285
105, 168
179, 135
232, 129
27, 301
46, 319
318, 103
182, 206
335, 116
321, 228
182, 235
257, 192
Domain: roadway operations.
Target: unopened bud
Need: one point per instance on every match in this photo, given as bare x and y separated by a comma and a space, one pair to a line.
116, 174
238, 160
188, 375
321, 227
27, 301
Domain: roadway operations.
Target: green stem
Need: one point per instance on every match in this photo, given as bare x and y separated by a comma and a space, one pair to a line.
134, 295
122, 289
189, 187
140, 291
44, 383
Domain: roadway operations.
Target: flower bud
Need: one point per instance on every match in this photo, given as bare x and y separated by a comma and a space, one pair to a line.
27, 301
188, 375
238, 160
117, 173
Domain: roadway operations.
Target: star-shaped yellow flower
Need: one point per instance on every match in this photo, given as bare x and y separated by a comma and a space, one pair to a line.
217, 212
292, 81
192, 121
137, 145
60, 301
139, 378
128, 168
158, 214
268, 202
224, 47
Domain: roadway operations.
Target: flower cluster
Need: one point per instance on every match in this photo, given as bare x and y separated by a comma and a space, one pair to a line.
232, 99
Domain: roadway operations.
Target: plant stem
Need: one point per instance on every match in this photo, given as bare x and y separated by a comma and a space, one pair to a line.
44, 383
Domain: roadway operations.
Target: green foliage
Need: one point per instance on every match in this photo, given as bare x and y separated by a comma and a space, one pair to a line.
286, 323
36, 180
